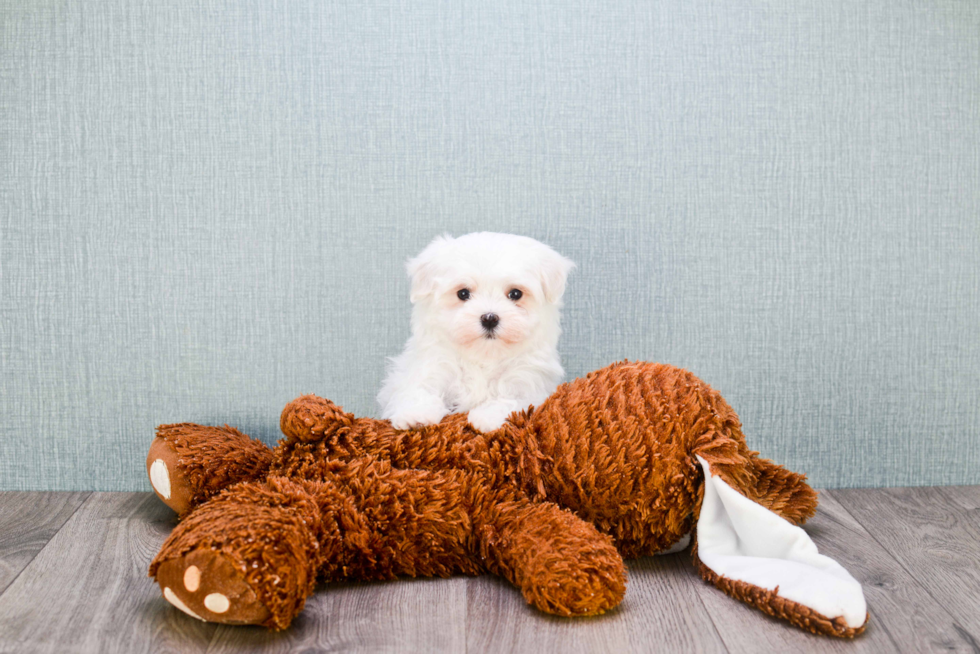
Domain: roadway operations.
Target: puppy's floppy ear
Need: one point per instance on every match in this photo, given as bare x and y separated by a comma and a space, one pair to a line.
423, 269
554, 271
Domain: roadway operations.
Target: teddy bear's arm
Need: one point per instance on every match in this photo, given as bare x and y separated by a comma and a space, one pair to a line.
314, 420
562, 564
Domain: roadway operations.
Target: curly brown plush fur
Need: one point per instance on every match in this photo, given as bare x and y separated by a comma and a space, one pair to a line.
552, 501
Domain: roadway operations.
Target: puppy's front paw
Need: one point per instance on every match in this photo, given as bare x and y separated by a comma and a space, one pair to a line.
418, 414
416, 419
488, 417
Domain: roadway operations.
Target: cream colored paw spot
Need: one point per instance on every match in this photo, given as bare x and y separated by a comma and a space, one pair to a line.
192, 578
217, 603
160, 478
171, 597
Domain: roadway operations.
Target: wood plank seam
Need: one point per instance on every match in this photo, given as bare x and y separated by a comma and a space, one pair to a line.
966, 635
88, 495
873, 621
695, 579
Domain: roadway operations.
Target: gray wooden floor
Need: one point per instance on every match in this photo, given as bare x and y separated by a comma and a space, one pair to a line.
73, 579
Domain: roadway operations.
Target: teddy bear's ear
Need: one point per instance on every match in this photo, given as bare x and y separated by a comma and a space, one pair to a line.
424, 269
756, 555
554, 271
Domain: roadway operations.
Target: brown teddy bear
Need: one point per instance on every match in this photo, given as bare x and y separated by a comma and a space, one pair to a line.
625, 462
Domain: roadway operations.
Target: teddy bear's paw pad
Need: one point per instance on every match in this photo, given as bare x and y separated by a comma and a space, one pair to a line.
163, 468
206, 585
160, 478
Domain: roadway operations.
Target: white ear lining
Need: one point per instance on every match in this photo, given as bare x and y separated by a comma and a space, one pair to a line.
554, 275
742, 540
422, 269
423, 282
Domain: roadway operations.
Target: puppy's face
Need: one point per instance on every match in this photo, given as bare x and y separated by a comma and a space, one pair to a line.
487, 293
487, 308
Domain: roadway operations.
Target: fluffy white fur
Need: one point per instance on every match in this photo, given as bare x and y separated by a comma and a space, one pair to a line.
453, 363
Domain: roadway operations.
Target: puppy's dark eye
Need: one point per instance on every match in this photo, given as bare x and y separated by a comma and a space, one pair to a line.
463, 294
515, 294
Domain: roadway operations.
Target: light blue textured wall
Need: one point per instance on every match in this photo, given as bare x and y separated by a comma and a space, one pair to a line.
206, 207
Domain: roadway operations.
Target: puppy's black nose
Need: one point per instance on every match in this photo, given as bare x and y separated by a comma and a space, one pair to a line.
489, 321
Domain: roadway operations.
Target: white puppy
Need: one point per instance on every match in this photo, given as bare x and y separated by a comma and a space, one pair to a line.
485, 327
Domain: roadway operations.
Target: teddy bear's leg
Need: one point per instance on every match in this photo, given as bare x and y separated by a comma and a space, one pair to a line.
251, 554
561, 563
248, 556
189, 463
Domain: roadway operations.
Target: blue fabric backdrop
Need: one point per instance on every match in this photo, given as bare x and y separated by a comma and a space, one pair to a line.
206, 208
